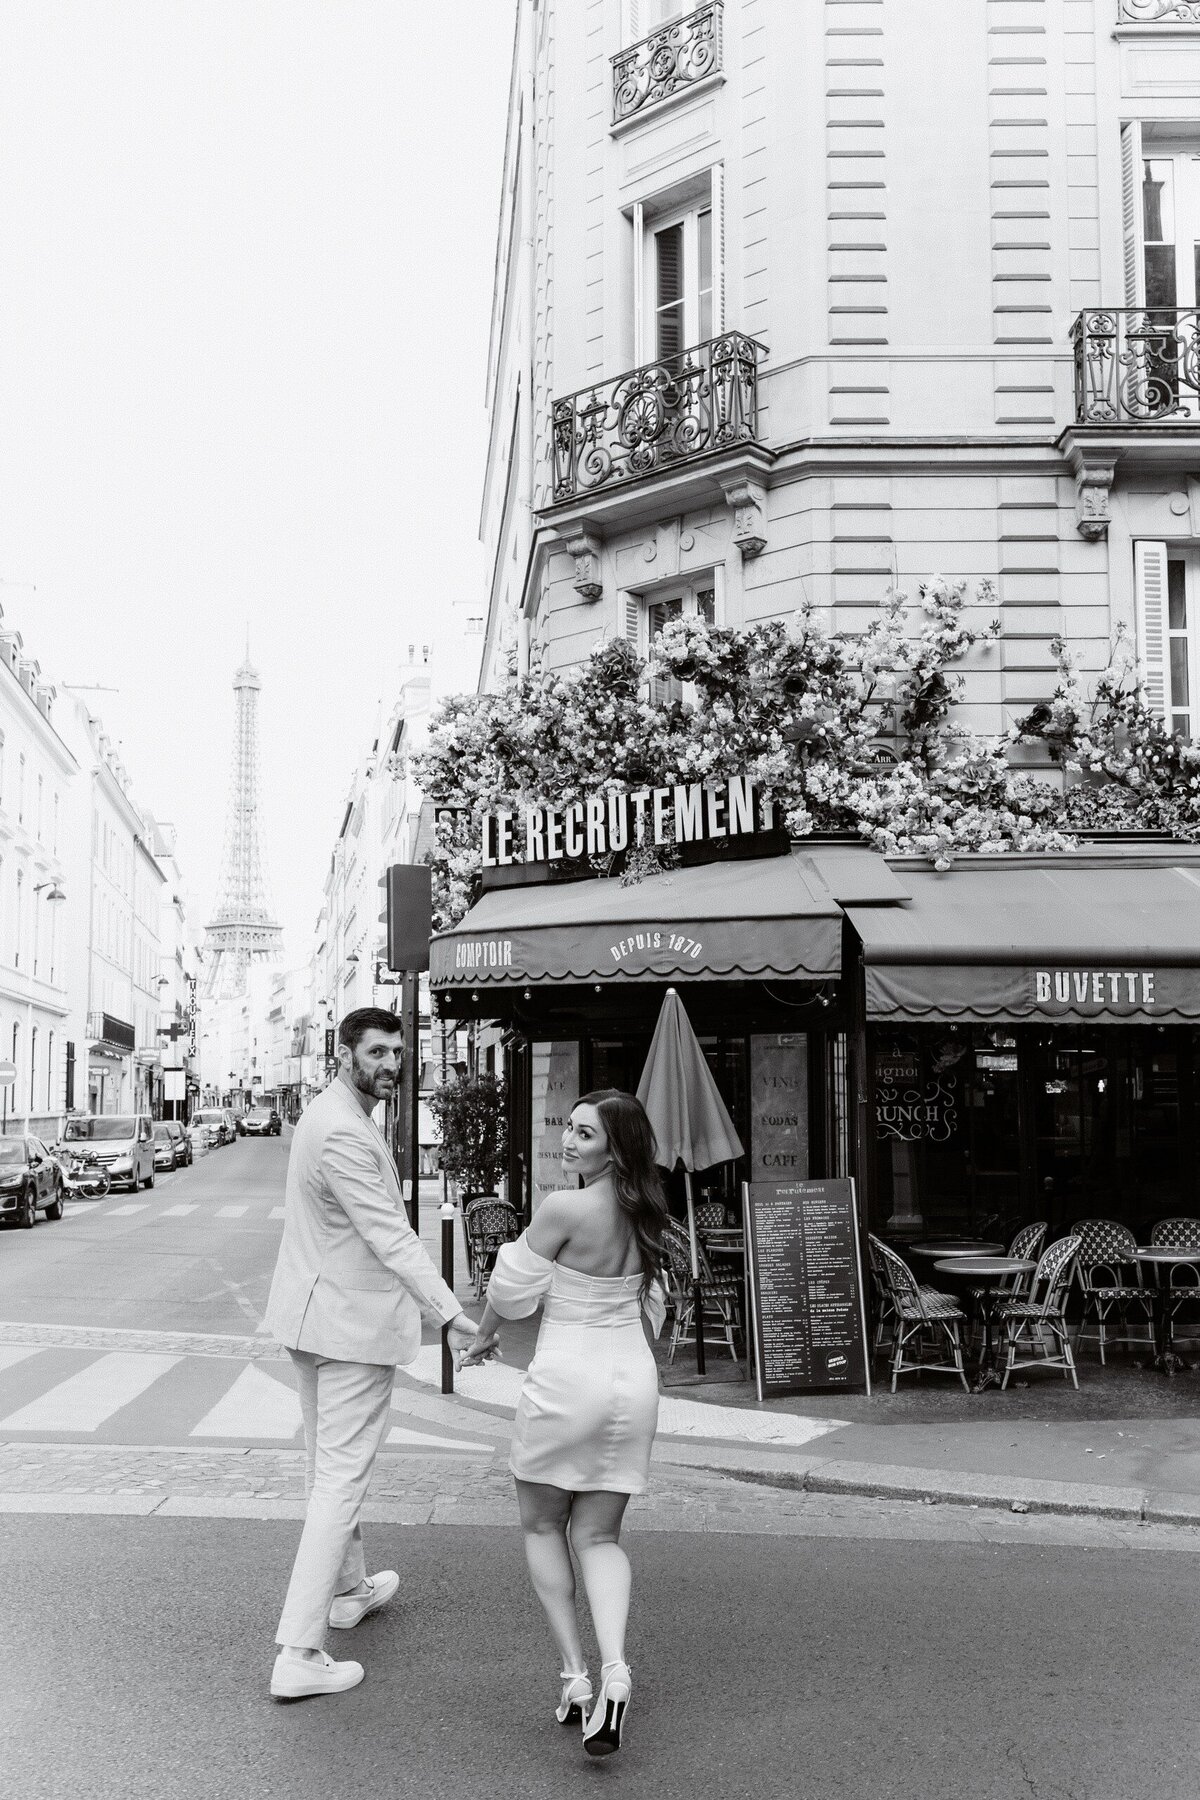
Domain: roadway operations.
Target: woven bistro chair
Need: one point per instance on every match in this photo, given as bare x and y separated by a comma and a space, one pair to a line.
1183, 1281
1027, 1247
1039, 1318
720, 1295
710, 1215
884, 1307
1111, 1279
924, 1320
489, 1224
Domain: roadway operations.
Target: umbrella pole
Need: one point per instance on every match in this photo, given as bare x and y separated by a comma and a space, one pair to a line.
697, 1300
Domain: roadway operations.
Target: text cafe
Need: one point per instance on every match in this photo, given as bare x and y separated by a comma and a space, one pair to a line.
1015, 1038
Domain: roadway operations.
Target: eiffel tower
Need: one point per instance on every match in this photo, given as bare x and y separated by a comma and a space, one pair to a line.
242, 930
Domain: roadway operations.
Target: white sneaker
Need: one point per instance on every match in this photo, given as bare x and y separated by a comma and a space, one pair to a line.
349, 1609
296, 1677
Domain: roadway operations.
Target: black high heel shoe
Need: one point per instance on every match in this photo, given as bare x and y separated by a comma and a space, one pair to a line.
576, 1695
602, 1733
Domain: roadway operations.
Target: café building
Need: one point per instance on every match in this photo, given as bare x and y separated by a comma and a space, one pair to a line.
1016, 1037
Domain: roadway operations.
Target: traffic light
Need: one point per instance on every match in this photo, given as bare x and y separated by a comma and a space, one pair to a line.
409, 915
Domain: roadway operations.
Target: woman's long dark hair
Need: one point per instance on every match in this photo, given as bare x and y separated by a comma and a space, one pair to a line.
636, 1181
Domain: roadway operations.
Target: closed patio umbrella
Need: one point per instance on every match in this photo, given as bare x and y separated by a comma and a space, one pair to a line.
690, 1121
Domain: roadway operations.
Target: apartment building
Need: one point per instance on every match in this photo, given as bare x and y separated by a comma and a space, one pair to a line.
796, 301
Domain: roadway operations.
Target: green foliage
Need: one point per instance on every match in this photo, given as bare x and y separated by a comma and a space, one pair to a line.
474, 1122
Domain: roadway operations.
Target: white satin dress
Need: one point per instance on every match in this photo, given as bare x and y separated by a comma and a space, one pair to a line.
589, 1405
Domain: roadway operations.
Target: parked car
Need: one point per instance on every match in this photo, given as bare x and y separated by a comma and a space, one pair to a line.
166, 1156
215, 1122
182, 1142
261, 1123
30, 1181
123, 1142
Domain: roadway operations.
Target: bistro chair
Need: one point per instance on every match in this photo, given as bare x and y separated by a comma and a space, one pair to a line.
1111, 1279
1183, 1281
710, 1215
884, 1307
923, 1320
489, 1224
1038, 1319
1026, 1247
720, 1295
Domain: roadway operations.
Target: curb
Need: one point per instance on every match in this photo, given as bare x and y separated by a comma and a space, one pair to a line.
1021, 1494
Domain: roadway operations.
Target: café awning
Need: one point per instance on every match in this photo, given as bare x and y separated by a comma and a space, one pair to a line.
1071, 938
757, 920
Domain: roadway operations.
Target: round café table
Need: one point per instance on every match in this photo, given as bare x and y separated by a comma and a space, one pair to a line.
931, 1249
1166, 1358
986, 1273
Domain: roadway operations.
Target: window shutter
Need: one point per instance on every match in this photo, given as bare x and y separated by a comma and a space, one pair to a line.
631, 622
1131, 200
639, 285
718, 248
1150, 589
633, 21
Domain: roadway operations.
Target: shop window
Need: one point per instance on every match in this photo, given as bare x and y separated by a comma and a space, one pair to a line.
1167, 594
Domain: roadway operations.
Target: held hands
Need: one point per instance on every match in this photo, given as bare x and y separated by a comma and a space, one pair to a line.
482, 1350
463, 1339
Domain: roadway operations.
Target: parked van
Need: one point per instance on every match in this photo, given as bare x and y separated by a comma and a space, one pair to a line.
122, 1142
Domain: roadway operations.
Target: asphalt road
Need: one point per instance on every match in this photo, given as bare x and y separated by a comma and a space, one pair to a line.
137, 1654
128, 1260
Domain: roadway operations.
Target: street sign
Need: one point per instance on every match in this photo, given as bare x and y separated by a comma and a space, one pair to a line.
8, 1074
385, 977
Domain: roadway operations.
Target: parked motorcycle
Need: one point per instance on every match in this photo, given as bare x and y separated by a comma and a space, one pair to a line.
82, 1175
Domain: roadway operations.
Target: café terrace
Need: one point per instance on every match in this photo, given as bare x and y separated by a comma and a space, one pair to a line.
1014, 1038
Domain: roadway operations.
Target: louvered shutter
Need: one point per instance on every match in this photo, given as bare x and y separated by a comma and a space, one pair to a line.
633, 21
1150, 590
1131, 200
718, 248
631, 621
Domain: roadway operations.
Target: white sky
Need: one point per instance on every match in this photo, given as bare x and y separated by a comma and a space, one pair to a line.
246, 255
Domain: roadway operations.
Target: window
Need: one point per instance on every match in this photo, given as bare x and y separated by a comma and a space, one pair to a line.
54, 815
33, 1042
50, 1072
40, 795
644, 16
17, 929
21, 789
1167, 585
1171, 230
645, 618
679, 299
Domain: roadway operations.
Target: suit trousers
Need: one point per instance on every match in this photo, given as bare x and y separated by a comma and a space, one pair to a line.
345, 1408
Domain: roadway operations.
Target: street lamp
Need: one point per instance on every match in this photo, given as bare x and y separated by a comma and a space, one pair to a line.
55, 893
353, 957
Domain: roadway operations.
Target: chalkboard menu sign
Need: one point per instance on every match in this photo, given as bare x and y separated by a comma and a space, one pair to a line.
806, 1286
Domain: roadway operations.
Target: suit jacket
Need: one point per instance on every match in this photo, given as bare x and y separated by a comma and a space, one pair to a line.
352, 1278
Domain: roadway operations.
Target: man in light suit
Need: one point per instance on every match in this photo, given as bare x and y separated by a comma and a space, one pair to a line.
350, 1286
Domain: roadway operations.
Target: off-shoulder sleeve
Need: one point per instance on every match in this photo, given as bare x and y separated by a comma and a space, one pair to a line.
655, 1307
519, 1280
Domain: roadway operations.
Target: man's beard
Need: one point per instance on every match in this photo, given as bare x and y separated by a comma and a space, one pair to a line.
365, 1080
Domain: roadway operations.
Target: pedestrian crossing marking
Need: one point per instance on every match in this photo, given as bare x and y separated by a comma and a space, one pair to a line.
277, 1212
85, 1401
176, 1212
423, 1440
12, 1354
231, 1212
254, 1407
120, 1212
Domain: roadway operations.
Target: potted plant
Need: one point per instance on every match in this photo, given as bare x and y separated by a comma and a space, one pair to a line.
473, 1116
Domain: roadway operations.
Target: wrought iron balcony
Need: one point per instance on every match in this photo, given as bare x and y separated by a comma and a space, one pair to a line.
1158, 12
658, 416
1137, 366
677, 55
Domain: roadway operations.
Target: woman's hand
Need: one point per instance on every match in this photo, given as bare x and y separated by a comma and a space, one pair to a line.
481, 1351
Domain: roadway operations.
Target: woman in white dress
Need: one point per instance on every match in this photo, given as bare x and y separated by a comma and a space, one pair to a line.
589, 1405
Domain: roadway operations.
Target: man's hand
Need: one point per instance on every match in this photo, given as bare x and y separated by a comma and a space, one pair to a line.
461, 1335
481, 1351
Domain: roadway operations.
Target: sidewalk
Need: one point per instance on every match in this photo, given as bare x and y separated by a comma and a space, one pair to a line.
1126, 1445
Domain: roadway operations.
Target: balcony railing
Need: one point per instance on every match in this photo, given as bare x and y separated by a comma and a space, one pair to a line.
1158, 12
657, 417
1137, 366
675, 56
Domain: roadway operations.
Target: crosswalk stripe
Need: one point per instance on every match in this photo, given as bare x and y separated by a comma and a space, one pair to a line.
231, 1212
12, 1354
175, 1212
120, 1212
277, 1212
84, 1401
254, 1407
399, 1434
